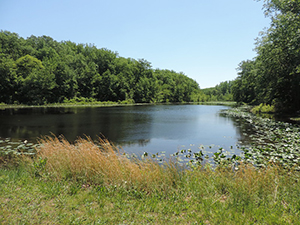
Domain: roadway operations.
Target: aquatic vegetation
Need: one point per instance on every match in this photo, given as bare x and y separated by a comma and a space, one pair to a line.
11, 149
273, 142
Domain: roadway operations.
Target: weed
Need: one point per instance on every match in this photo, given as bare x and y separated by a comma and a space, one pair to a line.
102, 163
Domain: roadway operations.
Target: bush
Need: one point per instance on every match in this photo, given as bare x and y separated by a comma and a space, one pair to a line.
127, 102
263, 108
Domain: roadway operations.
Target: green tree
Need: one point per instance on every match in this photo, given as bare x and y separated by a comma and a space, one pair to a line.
11, 44
39, 70
243, 88
26, 64
8, 78
35, 84
273, 77
279, 56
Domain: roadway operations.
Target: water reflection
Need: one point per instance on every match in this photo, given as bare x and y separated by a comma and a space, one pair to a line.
148, 128
244, 130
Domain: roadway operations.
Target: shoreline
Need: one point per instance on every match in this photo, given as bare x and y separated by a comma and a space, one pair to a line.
109, 104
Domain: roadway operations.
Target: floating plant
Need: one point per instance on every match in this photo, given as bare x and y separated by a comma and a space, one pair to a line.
272, 141
8, 147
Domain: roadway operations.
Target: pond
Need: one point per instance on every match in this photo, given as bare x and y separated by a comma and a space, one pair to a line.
138, 129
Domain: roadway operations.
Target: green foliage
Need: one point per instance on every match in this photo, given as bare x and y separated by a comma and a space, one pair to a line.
174, 87
273, 76
127, 102
8, 79
81, 100
243, 88
40, 70
263, 108
39, 166
93, 101
221, 92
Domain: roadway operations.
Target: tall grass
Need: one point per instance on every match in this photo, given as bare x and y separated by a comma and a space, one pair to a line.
247, 195
246, 182
126, 190
103, 163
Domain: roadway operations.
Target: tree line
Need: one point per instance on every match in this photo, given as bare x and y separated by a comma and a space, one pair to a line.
221, 92
40, 70
273, 76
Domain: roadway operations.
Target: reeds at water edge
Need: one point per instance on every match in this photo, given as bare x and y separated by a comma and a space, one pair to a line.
101, 163
105, 164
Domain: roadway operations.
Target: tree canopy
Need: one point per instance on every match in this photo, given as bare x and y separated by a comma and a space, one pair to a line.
40, 70
273, 77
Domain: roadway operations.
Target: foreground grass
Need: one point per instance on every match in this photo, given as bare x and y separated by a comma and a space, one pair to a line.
75, 189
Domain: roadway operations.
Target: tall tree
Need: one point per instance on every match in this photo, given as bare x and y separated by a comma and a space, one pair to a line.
243, 89
41, 70
8, 78
275, 73
35, 84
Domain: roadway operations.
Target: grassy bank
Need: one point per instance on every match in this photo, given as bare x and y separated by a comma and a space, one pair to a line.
82, 102
71, 104
95, 183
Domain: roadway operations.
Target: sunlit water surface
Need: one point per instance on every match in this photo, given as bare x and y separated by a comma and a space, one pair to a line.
138, 129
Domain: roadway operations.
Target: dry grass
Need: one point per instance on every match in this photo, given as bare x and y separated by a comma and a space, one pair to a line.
141, 191
247, 185
103, 163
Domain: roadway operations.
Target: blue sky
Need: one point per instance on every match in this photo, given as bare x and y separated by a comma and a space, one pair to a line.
206, 40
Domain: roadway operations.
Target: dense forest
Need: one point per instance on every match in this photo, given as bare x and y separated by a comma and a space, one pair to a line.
273, 76
40, 70
221, 92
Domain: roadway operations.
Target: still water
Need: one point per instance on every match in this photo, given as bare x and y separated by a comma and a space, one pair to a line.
138, 129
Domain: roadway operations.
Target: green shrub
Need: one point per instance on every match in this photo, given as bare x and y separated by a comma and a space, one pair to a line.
263, 108
127, 102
